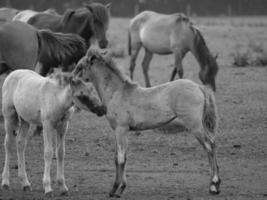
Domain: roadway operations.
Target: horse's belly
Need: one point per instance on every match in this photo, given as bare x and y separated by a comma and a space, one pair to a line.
156, 43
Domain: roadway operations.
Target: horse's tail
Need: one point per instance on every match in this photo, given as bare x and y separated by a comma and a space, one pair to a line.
209, 66
129, 43
59, 48
209, 118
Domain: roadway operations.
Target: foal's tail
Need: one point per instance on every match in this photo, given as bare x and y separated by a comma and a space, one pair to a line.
59, 47
210, 117
129, 43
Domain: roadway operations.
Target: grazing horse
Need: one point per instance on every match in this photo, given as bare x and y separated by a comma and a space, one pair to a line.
23, 47
25, 15
90, 22
28, 98
169, 34
131, 107
7, 14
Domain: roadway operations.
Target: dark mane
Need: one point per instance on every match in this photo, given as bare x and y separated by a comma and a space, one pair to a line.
62, 78
111, 65
58, 48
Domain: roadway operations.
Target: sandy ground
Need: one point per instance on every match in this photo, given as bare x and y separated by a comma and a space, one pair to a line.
171, 165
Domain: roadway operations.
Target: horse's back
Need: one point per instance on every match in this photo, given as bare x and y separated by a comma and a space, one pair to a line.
24, 15
18, 45
159, 33
45, 21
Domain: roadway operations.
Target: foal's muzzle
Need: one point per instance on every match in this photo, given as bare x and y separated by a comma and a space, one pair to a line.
99, 110
103, 44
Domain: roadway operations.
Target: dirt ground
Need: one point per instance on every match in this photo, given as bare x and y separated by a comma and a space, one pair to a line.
171, 165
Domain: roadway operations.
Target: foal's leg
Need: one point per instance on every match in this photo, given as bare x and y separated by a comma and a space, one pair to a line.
178, 68
48, 132
60, 152
208, 144
11, 123
135, 50
145, 65
21, 145
120, 161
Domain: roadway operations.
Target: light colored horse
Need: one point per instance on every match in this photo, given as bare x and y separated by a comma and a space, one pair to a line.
169, 34
25, 15
29, 99
131, 107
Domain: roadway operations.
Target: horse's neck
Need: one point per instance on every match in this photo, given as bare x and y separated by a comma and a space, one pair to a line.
107, 85
64, 96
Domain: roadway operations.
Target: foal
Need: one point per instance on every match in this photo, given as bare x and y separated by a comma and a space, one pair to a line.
131, 107
28, 98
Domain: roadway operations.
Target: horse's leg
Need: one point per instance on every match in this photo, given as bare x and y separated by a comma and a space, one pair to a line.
135, 50
48, 132
209, 146
60, 152
11, 123
21, 145
145, 65
120, 161
178, 68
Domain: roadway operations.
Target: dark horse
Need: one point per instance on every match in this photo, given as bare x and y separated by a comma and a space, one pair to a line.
90, 22
170, 34
22, 47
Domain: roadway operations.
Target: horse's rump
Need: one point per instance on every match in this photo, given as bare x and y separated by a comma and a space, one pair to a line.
18, 45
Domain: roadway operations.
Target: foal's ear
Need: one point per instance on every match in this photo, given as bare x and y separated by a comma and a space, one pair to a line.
67, 15
108, 6
216, 56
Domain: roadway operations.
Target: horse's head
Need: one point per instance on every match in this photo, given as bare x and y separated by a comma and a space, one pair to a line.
100, 15
85, 97
85, 66
90, 22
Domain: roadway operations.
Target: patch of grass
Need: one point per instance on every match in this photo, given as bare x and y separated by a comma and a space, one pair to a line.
253, 54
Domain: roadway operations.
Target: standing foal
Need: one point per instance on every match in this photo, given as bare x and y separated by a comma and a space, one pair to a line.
28, 98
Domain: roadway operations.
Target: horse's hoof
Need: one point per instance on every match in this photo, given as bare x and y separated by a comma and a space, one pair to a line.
27, 188
49, 194
114, 195
5, 187
214, 189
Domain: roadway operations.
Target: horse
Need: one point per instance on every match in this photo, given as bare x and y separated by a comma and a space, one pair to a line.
134, 108
6, 14
24, 47
169, 34
25, 15
90, 22
30, 99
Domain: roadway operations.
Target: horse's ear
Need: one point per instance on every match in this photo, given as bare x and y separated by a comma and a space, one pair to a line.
89, 7
216, 56
108, 6
67, 15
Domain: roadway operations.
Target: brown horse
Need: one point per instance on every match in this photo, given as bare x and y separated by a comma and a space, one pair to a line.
170, 34
90, 22
22, 47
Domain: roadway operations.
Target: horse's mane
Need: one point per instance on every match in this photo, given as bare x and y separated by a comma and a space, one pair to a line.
62, 78
111, 65
100, 12
59, 47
